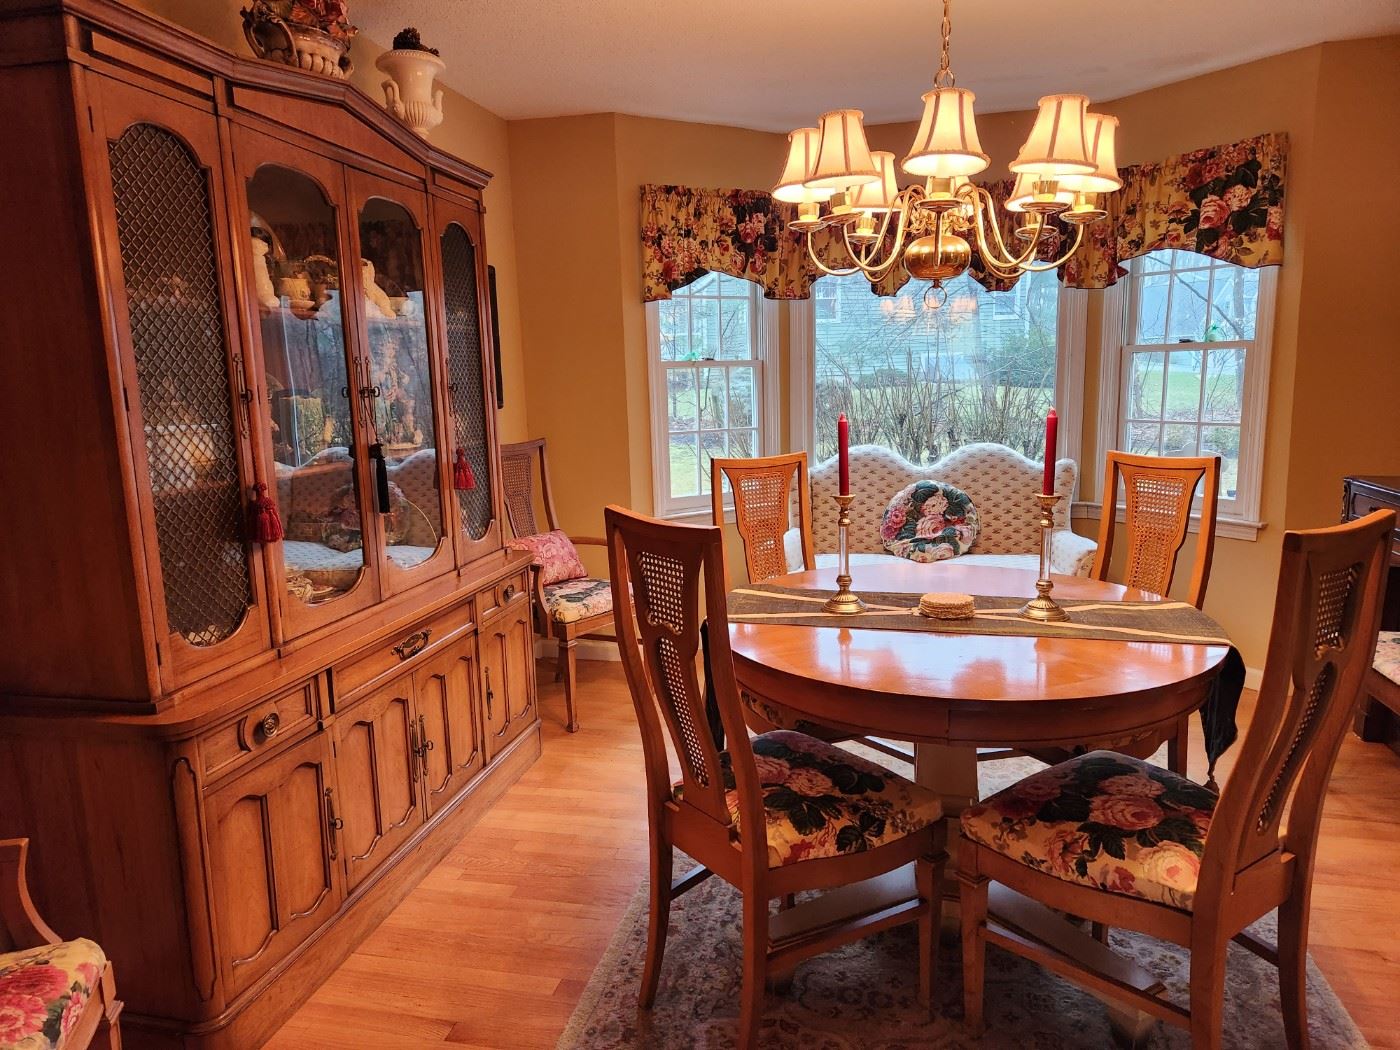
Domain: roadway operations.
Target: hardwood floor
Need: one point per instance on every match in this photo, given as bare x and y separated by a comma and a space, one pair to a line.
495, 946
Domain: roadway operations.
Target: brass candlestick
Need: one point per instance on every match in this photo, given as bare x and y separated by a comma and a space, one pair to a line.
844, 601
1042, 607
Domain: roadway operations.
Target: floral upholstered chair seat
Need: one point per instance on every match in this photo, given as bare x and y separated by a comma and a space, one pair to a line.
1388, 655
572, 600
1103, 820
821, 801
43, 992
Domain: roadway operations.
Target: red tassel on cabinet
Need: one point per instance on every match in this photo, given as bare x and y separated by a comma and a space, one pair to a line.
267, 525
462, 477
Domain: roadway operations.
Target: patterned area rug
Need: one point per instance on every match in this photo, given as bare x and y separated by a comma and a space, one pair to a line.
863, 996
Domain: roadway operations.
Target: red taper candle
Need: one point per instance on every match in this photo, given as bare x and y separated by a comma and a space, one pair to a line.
843, 446
1052, 428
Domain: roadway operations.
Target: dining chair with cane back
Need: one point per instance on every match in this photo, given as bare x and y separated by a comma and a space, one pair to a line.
764, 508
1158, 493
872, 823
1120, 842
568, 610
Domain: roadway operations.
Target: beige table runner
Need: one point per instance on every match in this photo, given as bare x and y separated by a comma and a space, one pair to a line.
1161, 621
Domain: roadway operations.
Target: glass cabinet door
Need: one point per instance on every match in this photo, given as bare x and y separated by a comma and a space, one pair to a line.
177, 334
307, 390
405, 472
470, 390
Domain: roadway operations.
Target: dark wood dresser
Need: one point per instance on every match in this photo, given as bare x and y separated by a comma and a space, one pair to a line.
1362, 496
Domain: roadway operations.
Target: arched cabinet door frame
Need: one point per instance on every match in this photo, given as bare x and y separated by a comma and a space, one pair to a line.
397, 571
184, 651
253, 150
450, 212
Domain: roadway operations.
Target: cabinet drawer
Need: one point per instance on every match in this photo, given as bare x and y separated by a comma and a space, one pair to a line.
258, 730
504, 592
351, 677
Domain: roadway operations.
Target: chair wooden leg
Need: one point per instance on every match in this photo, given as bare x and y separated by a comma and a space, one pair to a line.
568, 662
755, 969
1293, 968
929, 878
662, 858
1179, 747
1207, 993
972, 902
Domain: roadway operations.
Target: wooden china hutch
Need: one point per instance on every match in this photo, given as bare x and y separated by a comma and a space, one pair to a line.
234, 286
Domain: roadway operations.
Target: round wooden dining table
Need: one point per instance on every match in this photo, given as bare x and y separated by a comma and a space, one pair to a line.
951, 694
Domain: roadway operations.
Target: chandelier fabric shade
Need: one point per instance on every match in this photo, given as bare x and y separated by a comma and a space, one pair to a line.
879, 196
946, 143
801, 163
843, 156
1057, 145
1100, 130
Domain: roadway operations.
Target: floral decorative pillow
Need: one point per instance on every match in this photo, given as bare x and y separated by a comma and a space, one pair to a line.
929, 521
555, 554
341, 530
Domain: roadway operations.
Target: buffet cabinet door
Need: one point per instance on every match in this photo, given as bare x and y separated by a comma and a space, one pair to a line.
164, 232
309, 389
449, 723
508, 674
377, 757
465, 324
402, 365
273, 847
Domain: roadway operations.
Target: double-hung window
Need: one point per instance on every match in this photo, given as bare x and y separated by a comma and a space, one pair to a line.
711, 388
1193, 368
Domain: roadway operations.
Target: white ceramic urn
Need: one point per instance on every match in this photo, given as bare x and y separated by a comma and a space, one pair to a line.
409, 93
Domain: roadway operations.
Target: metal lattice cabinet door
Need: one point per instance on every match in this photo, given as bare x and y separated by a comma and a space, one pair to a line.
184, 378
467, 376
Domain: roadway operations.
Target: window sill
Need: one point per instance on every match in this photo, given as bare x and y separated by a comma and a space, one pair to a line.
1225, 527
701, 515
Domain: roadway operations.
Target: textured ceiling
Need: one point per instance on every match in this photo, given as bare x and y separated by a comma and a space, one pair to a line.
776, 64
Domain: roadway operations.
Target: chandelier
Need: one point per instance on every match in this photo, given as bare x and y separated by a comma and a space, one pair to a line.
1062, 170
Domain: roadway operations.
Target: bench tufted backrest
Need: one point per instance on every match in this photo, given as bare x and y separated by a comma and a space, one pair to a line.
1002, 483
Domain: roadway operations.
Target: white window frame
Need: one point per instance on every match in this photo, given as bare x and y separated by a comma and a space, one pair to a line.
1071, 325
763, 333
1237, 518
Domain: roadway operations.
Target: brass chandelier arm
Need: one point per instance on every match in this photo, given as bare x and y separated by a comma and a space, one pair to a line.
823, 267
1003, 264
1042, 267
874, 272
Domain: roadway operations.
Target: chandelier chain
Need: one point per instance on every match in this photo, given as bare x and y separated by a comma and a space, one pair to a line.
945, 77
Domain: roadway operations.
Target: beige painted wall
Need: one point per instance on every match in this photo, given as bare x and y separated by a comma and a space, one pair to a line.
468, 130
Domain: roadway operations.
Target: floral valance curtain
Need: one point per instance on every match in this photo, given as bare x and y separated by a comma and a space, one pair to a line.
1224, 201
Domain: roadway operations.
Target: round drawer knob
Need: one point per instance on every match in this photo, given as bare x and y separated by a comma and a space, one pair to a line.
270, 724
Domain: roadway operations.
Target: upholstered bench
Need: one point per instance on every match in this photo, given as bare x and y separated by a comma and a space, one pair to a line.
1001, 482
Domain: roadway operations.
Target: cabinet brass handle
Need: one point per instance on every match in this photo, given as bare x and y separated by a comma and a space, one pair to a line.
333, 823
414, 644
508, 593
424, 744
490, 696
415, 754
270, 724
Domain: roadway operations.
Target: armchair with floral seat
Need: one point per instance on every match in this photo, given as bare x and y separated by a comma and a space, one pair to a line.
1001, 482
54, 994
569, 604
